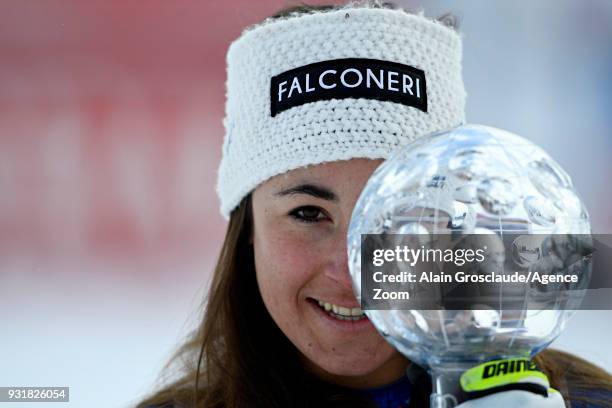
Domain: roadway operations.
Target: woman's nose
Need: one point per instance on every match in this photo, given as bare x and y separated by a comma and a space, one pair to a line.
337, 267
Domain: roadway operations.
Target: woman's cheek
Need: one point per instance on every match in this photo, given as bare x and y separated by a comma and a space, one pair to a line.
285, 262
290, 257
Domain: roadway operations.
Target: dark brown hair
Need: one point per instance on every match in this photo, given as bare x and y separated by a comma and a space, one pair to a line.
238, 357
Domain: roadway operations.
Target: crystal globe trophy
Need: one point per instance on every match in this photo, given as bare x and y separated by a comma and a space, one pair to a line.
479, 181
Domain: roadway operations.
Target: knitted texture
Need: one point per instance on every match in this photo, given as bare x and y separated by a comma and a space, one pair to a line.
258, 146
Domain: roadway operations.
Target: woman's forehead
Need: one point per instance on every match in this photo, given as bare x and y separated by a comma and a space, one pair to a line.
334, 169
336, 175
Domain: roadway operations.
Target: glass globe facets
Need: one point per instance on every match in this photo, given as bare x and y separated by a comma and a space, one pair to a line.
469, 180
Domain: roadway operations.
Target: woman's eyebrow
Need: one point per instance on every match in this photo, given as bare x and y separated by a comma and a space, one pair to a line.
310, 189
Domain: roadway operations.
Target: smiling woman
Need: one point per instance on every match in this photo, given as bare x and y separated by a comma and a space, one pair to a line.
281, 326
304, 232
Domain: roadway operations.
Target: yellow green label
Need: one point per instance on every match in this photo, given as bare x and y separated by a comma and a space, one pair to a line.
500, 372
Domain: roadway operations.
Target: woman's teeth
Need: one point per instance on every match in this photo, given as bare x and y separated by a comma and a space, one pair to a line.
342, 313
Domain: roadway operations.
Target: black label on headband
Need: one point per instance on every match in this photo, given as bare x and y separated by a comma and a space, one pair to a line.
349, 78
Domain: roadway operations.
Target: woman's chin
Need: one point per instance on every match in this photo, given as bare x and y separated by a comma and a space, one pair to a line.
358, 369
351, 366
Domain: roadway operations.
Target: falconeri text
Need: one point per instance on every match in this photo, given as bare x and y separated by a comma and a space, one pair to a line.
349, 78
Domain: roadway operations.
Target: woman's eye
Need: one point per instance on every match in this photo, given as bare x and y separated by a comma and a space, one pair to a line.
308, 214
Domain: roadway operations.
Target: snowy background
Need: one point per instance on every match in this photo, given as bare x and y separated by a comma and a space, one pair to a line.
110, 137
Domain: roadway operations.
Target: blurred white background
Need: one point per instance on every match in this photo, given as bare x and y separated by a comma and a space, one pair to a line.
110, 137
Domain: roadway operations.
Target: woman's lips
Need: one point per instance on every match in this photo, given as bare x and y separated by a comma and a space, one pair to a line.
342, 318
341, 312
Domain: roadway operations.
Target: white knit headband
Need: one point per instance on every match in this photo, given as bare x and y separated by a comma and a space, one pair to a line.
334, 85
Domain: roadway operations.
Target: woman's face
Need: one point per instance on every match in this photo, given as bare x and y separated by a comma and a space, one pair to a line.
301, 221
